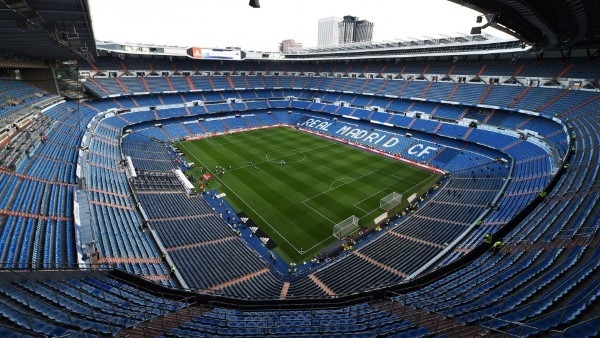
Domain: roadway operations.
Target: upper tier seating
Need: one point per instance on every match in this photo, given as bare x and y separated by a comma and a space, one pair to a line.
544, 278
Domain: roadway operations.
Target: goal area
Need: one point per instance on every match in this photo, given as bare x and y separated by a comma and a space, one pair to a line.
390, 201
345, 227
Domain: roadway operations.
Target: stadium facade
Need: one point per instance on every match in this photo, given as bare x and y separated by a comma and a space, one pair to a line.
102, 234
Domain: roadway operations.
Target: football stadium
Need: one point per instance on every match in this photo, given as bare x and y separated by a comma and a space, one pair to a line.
435, 187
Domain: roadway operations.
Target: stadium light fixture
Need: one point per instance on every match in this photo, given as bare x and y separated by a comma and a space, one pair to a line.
254, 3
476, 30
491, 21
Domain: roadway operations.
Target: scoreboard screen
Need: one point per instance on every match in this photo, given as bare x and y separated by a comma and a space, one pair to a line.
214, 53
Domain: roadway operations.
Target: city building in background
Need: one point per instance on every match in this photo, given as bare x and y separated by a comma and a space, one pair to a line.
290, 46
328, 32
351, 29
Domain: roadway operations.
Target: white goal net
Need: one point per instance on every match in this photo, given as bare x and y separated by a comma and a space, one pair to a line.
390, 201
345, 227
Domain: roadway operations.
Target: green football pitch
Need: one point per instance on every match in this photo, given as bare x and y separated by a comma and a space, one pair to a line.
321, 183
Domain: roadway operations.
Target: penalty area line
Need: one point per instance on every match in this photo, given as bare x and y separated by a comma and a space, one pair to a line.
345, 183
366, 198
339, 179
315, 210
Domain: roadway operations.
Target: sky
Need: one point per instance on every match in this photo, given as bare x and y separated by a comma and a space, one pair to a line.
225, 23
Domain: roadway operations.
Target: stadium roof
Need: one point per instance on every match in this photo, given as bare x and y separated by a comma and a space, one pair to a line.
62, 29
46, 29
552, 24
442, 45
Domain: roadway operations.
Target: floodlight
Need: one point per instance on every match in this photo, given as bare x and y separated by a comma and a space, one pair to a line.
476, 30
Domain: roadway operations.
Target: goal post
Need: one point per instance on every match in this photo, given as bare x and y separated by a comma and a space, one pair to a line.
345, 227
390, 201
